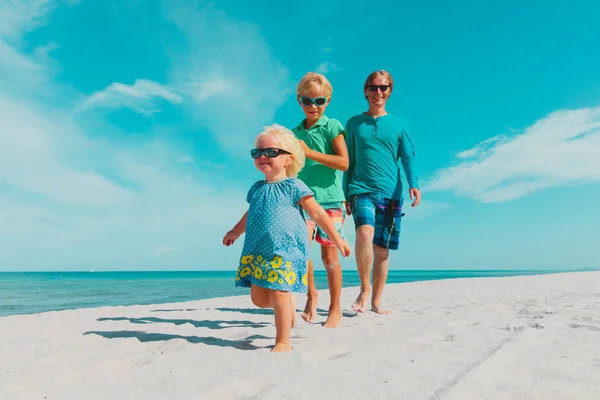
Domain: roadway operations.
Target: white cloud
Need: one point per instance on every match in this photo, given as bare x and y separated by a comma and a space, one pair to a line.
562, 149
227, 69
142, 97
22, 15
326, 67
71, 202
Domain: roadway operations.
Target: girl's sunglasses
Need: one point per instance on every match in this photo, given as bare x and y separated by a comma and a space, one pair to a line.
383, 88
269, 152
317, 101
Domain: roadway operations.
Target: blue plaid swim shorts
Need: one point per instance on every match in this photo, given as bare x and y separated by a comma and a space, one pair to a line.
383, 214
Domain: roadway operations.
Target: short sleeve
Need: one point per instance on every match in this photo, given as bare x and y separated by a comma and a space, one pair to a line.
251, 191
300, 190
335, 128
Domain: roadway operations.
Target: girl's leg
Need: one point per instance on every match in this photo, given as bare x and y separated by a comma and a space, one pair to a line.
283, 319
293, 303
310, 310
334, 277
260, 296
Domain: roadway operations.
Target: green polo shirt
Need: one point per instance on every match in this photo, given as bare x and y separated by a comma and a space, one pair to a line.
325, 182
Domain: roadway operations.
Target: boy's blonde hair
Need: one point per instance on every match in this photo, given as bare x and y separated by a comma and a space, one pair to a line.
311, 79
288, 142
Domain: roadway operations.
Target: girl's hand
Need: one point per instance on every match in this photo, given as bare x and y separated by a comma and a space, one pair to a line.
230, 238
344, 248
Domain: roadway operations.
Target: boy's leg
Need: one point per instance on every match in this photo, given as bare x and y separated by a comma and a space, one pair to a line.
310, 310
334, 278
283, 319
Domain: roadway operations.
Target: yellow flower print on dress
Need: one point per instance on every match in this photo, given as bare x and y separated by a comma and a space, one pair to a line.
245, 271
288, 265
273, 276
281, 281
247, 259
258, 273
290, 277
277, 261
305, 279
259, 258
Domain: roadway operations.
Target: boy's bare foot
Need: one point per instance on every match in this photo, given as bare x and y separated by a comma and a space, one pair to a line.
310, 310
334, 318
361, 302
281, 348
379, 310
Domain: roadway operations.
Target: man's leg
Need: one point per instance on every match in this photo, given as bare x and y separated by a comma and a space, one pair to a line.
331, 260
310, 309
380, 272
364, 258
386, 237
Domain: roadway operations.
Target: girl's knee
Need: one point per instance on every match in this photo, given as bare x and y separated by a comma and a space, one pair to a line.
260, 298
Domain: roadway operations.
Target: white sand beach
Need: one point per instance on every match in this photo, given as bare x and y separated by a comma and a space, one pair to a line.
534, 337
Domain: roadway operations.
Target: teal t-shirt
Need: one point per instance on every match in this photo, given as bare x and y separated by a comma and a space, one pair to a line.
325, 182
377, 147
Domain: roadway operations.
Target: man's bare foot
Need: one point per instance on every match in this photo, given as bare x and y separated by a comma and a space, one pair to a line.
379, 310
310, 310
334, 318
361, 302
281, 348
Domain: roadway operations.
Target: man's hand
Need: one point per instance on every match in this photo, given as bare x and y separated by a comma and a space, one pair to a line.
416, 195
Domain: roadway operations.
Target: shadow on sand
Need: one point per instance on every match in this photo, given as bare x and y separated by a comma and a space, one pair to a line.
210, 324
242, 344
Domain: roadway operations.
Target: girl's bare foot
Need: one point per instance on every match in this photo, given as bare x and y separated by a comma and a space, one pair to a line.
361, 302
334, 318
281, 348
310, 310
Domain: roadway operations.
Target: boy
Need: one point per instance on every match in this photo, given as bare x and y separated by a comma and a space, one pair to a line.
324, 144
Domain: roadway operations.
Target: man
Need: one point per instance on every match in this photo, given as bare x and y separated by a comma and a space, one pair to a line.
377, 144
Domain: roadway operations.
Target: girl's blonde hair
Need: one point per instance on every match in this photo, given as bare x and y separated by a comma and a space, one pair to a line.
311, 79
384, 74
288, 142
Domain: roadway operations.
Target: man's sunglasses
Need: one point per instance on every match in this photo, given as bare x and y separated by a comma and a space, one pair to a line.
317, 101
269, 152
383, 88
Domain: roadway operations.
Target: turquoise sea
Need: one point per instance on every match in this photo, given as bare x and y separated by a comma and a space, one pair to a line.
34, 292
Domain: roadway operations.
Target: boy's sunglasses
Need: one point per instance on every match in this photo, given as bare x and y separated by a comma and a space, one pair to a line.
270, 152
317, 101
383, 88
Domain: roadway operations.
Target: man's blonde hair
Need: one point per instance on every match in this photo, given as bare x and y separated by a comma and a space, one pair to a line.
288, 142
310, 80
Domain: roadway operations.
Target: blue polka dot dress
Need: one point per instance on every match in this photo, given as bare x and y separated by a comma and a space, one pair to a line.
276, 246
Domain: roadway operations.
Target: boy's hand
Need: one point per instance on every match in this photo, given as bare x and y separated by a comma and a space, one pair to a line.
345, 249
230, 238
348, 208
305, 148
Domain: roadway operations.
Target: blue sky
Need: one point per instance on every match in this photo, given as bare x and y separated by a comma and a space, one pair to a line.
125, 125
